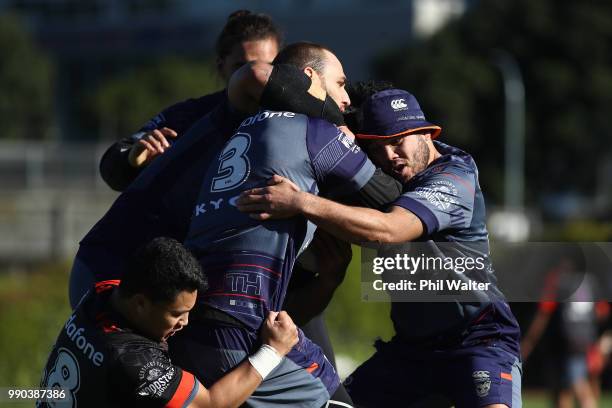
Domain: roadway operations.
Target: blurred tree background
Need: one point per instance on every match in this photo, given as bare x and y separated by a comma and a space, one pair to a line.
104, 99
564, 50
26, 83
126, 100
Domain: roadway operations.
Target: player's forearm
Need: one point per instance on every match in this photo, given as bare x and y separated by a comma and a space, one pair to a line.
353, 224
380, 191
235, 387
232, 390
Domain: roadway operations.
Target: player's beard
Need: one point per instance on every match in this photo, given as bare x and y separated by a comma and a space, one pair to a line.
406, 168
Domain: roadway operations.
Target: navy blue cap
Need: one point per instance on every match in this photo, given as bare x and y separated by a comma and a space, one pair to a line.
392, 113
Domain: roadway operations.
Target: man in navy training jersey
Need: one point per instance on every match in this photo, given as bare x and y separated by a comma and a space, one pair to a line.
466, 353
161, 202
245, 37
250, 263
112, 351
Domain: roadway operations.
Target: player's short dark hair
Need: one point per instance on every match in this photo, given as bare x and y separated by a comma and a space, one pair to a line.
160, 270
359, 92
244, 25
303, 54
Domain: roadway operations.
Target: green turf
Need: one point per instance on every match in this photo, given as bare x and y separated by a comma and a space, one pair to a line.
33, 307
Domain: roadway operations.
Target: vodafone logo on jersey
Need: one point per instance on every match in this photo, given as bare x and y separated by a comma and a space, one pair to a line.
266, 115
77, 336
398, 104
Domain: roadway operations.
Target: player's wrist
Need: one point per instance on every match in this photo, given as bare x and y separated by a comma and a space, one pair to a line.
276, 348
305, 203
265, 360
140, 160
301, 201
135, 158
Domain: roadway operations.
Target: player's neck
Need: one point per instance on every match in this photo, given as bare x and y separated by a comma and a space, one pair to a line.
122, 306
433, 152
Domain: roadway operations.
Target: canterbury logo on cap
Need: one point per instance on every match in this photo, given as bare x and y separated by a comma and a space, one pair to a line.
398, 104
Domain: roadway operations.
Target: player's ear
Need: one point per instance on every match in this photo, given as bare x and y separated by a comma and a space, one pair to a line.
310, 72
141, 303
314, 76
316, 84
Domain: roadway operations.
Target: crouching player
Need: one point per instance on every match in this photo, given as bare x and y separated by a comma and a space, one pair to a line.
112, 350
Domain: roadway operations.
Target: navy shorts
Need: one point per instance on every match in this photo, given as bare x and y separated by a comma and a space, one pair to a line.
400, 375
305, 378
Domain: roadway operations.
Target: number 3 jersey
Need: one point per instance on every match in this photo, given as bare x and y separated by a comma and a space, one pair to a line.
97, 361
249, 262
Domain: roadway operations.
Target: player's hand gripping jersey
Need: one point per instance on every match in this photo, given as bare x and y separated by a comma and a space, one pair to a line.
248, 262
159, 202
114, 166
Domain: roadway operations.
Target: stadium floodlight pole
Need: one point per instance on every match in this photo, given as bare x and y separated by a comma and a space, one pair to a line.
514, 92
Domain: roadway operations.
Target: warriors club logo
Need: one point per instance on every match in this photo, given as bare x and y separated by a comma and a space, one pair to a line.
482, 381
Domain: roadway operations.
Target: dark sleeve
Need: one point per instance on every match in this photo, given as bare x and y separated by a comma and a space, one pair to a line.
443, 199
115, 168
148, 378
380, 191
340, 166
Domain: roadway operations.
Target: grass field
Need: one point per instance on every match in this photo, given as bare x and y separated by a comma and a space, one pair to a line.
33, 306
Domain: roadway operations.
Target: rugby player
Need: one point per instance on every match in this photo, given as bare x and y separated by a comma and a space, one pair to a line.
250, 264
466, 352
112, 351
245, 37
161, 202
